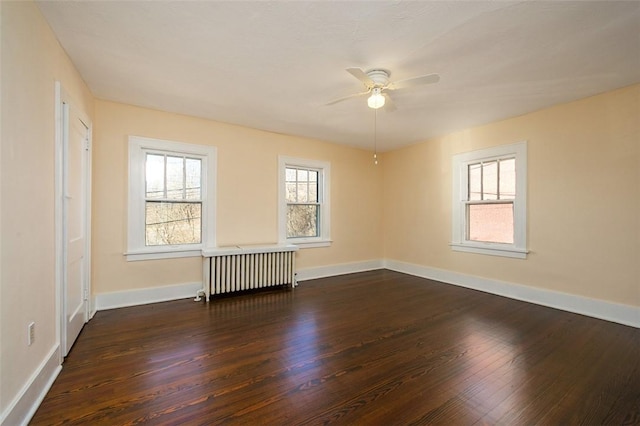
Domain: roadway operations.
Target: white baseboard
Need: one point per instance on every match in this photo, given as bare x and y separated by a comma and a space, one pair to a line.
340, 269
615, 312
143, 296
25, 404
121, 299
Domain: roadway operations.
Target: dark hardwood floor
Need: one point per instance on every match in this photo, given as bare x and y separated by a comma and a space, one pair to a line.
374, 348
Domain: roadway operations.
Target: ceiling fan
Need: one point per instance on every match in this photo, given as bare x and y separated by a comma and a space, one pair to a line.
377, 83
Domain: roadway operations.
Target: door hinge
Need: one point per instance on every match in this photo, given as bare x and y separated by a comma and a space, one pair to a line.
86, 294
86, 144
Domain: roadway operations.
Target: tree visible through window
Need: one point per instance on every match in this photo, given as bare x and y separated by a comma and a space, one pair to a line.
304, 197
173, 202
302, 191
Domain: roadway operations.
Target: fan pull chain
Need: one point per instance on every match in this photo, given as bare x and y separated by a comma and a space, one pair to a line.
375, 137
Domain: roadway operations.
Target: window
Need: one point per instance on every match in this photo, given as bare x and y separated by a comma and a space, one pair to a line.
304, 202
489, 201
171, 199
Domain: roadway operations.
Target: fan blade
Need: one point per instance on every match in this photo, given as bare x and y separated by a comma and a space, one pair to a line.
389, 105
335, 101
362, 76
415, 81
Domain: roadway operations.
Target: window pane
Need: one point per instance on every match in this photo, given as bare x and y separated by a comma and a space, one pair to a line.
313, 192
303, 175
492, 223
154, 171
290, 195
172, 223
194, 179
302, 221
475, 187
490, 180
303, 192
313, 176
508, 179
290, 175
175, 177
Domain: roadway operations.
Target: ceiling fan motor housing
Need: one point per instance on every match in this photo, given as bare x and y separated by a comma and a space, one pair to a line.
379, 77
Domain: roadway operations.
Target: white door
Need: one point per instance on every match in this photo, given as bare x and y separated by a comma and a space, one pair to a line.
75, 179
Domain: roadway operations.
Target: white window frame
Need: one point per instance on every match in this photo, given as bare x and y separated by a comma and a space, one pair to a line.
460, 169
324, 198
136, 248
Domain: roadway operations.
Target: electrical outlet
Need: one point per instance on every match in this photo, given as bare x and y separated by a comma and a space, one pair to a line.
31, 333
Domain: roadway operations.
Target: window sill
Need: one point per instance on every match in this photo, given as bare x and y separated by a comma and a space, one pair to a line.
138, 255
503, 251
310, 244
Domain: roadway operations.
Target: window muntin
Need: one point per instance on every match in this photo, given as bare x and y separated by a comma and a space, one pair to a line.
171, 199
304, 202
489, 201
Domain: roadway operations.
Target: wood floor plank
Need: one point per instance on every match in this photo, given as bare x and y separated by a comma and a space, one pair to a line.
377, 347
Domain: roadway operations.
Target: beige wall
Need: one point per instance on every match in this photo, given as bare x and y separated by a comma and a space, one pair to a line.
583, 199
32, 60
247, 194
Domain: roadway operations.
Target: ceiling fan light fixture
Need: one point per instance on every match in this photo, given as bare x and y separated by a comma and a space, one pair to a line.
376, 100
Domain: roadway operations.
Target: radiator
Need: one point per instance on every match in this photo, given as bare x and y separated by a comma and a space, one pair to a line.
239, 268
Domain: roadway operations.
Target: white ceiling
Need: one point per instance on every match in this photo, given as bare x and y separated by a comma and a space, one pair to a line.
273, 65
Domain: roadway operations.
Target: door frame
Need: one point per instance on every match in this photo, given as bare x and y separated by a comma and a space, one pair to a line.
62, 98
